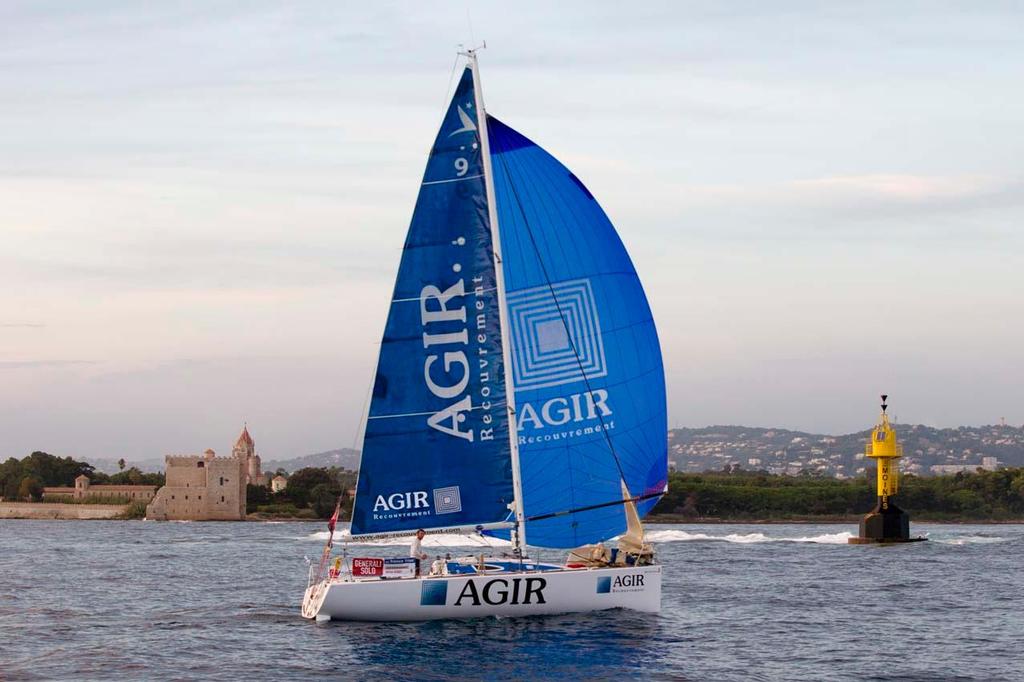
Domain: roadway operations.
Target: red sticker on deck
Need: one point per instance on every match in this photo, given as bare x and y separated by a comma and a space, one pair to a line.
367, 568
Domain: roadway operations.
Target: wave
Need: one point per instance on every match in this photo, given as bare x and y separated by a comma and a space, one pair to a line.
970, 540
440, 540
841, 538
444, 540
684, 536
659, 536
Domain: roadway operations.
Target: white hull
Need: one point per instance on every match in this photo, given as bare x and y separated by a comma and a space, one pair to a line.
497, 594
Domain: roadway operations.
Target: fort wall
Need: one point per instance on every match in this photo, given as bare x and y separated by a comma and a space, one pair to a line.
56, 510
202, 488
84, 489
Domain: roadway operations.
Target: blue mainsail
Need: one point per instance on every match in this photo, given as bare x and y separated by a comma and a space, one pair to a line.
436, 452
589, 381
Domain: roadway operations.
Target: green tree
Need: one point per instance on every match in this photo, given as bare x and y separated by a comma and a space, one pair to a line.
51, 470
323, 498
255, 495
30, 489
10, 478
131, 476
302, 482
120, 464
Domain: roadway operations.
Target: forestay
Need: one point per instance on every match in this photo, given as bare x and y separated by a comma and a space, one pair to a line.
436, 452
589, 381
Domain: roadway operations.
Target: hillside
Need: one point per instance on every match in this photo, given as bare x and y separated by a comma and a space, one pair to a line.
781, 451
109, 466
345, 458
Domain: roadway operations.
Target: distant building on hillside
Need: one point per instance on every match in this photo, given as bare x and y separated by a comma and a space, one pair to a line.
84, 489
278, 483
207, 487
987, 464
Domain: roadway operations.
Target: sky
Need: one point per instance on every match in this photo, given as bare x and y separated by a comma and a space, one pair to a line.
202, 204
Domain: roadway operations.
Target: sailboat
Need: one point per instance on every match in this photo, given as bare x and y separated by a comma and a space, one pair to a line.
519, 394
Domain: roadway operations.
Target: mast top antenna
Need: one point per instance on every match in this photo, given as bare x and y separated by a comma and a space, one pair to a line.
471, 51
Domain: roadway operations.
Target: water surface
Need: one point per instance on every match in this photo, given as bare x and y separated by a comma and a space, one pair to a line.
219, 601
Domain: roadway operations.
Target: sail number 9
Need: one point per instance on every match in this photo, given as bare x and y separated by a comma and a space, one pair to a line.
461, 166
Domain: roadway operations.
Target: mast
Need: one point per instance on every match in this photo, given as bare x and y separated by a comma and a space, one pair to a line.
519, 533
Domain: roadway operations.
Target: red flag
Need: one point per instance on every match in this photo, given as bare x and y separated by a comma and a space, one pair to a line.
334, 521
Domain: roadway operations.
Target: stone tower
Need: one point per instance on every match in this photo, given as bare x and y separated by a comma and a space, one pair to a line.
245, 451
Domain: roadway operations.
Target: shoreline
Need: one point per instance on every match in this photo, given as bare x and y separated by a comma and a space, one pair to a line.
59, 511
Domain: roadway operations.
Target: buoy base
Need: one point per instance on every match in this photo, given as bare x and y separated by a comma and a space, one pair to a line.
873, 541
885, 523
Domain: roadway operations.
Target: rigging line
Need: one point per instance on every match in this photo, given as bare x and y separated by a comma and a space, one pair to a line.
424, 414
364, 416
444, 102
561, 313
364, 413
552, 515
442, 182
548, 178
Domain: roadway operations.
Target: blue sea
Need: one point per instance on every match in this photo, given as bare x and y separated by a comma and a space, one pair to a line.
220, 601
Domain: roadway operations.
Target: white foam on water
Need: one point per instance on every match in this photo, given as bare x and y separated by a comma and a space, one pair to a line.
747, 538
684, 536
842, 538
970, 540
441, 540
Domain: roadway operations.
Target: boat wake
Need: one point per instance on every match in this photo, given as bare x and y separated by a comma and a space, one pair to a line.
970, 540
660, 536
446, 540
657, 536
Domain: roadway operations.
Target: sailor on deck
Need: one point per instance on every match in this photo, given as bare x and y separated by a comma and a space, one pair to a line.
416, 551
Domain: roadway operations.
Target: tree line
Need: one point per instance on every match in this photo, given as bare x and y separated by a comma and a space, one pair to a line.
24, 479
311, 492
744, 495
738, 495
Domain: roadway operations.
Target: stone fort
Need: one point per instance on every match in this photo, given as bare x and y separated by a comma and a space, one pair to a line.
206, 487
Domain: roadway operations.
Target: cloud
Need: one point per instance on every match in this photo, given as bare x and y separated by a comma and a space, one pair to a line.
930, 211
40, 364
920, 190
908, 189
192, 181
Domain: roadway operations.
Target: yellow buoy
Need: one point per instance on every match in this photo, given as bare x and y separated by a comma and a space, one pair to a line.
886, 522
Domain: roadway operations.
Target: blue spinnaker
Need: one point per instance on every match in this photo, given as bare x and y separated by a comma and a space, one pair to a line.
589, 381
436, 452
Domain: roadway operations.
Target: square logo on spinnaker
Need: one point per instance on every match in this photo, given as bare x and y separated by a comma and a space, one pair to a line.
556, 335
433, 593
447, 500
604, 585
